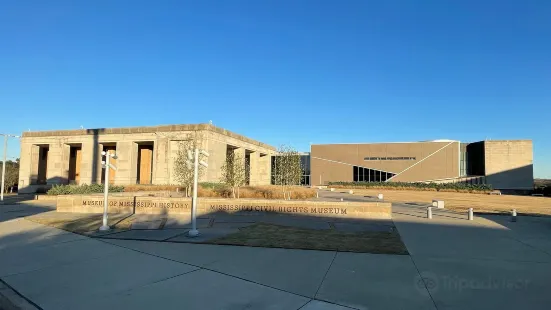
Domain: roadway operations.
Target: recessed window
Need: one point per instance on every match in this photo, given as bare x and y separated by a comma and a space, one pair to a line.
361, 174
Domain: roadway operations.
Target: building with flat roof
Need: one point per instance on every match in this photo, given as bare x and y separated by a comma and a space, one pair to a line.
505, 164
146, 155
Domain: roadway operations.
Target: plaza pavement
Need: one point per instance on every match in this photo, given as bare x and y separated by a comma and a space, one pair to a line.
488, 263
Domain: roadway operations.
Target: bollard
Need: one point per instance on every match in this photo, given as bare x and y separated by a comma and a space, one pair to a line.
514, 215
429, 212
470, 214
351, 192
342, 199
317, 194
380, 196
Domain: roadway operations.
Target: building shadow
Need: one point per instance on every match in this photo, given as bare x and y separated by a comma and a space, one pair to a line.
95, 151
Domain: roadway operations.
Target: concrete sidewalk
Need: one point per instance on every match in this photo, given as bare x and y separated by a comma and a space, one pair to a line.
488, 263
59, 270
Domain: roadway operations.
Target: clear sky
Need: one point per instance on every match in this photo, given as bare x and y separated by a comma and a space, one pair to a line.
292, 72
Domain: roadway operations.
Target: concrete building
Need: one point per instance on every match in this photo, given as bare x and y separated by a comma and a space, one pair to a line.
505, 164
146, 155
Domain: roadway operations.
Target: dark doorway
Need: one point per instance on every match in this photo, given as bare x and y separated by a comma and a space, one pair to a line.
43, 164
75, 156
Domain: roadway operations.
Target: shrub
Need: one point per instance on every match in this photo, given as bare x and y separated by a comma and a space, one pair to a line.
82, 189
212, 185
214, 190
259, 192
444, 187
151, 188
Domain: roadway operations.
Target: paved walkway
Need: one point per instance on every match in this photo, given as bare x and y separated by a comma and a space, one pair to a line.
488, 263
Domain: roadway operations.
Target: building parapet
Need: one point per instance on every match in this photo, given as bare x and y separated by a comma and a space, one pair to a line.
146, 129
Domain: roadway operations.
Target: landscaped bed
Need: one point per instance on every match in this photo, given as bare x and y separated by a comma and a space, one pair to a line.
277, 236
257, 235
213, 190
431, 187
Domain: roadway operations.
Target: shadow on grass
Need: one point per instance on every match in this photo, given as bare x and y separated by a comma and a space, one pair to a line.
279, 236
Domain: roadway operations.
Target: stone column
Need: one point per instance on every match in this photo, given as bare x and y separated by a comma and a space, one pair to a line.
160, 161
127, 153
55, 173
254, 168
65, 159
87, 176
28, 168
264, 169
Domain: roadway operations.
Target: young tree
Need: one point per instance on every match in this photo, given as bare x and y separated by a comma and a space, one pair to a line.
287, 169
234, 172
12, 174
183, 169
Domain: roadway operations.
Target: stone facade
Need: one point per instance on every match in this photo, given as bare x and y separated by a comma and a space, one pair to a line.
74, 156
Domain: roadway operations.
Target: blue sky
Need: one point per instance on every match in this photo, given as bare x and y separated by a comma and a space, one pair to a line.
293, 72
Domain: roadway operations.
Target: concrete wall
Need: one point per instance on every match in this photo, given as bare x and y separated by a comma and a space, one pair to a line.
433, 160
509, 164
165, 140
213, 206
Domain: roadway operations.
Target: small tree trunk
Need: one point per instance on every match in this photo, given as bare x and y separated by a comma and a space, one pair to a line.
233, 192
238, 192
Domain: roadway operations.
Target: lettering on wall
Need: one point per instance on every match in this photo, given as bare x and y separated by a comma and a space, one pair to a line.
137, 204
278, 209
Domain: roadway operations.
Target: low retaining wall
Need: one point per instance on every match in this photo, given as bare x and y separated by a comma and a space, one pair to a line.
209, 206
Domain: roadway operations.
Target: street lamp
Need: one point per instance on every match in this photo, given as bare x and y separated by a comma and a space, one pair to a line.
4, 162
194, 232
105, 164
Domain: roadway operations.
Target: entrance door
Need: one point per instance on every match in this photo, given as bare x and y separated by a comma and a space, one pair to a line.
145, 163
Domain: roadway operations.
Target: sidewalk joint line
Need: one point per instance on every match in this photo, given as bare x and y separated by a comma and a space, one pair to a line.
205, 268
325, 275
21, 295
424, 284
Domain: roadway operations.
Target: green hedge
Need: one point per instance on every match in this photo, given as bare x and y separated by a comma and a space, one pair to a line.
418, 186
82, 189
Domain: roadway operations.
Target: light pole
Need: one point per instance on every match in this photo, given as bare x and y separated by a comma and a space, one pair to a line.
4, 162
194, 232
107, 167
